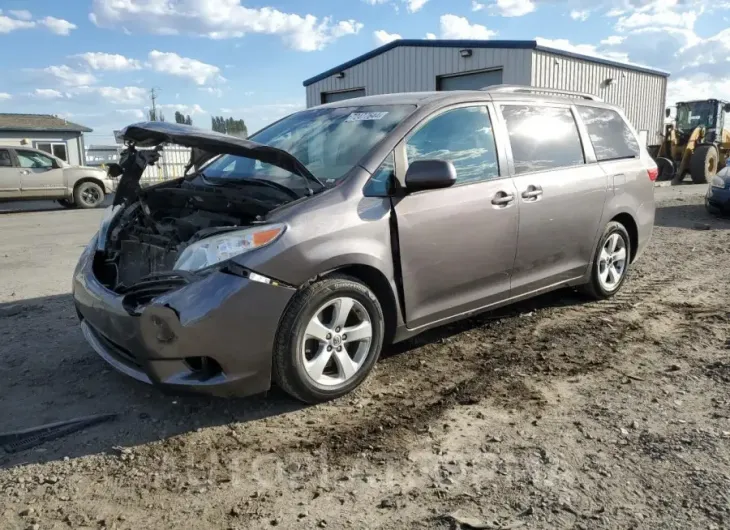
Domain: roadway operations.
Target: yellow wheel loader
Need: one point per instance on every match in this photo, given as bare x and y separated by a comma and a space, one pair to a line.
697, 142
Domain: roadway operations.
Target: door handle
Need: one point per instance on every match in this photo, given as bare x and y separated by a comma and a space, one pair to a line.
25, 172
532, 193
503, 198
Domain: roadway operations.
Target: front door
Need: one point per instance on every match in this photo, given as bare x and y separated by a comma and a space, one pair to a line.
39, 175
561, 198
9, 176
457, 245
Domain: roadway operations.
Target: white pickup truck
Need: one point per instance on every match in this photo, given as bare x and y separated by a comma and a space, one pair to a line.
30, 174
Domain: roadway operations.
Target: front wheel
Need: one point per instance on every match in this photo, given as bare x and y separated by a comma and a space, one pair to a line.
88, 195
328, 340
610, 263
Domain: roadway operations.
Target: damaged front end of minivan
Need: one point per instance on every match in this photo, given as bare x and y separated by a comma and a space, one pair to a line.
157, 235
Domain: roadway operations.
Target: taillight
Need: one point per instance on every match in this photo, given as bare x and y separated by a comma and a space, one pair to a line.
653, 173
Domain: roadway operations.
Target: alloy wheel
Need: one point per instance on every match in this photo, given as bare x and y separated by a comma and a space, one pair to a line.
336, 341
90, 195
612, 262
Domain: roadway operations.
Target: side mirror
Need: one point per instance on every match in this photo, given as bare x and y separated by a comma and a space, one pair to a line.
726, 108
430, 175
668, 112
55, 164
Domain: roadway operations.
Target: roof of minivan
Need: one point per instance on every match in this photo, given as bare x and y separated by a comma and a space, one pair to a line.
454, 96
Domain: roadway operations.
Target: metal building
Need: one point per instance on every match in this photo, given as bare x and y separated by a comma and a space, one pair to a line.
426, 65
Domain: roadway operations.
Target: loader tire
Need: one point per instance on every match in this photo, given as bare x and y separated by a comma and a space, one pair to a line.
703, 164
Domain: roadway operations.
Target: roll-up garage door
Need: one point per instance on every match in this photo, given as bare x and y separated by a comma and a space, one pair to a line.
470, 80
331, 97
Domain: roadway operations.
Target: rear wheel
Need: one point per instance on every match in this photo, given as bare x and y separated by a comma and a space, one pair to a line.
88, 195
610, 263
703, 164
328, 340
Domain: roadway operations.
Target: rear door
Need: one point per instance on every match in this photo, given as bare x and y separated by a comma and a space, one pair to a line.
38, 176
9, 176
457, 245
561, 196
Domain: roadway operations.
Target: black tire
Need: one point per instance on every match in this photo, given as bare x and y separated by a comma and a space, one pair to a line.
703, 164
66, 203
88, 195
288, 366
594, 288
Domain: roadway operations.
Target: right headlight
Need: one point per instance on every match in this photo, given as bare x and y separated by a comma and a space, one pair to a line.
718, 182
222, 247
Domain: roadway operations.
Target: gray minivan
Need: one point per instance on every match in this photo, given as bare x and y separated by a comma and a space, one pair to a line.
296, 255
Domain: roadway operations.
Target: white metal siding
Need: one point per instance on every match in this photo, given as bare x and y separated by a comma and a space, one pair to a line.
73, 147
415, 69
642, 95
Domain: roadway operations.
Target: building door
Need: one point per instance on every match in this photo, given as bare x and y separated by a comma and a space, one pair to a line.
331, 97
457, 245
9, 176
40, 175
469, 80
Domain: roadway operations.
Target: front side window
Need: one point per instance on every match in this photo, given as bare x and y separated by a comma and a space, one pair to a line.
329, 142
5, 160
33, 160
610, 135
542, 138
464, 136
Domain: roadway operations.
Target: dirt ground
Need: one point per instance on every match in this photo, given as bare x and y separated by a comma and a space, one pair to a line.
555, 413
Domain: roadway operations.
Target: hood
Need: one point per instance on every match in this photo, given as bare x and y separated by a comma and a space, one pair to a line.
154, 133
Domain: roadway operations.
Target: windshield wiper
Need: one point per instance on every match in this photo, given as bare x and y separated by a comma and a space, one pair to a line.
250, 181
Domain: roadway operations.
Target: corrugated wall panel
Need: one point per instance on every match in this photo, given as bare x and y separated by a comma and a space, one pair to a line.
409, 68
641, 95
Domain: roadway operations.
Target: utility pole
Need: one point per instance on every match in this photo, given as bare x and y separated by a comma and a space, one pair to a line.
153, 97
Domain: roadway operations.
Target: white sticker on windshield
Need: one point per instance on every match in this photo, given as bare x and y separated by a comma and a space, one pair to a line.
366, 116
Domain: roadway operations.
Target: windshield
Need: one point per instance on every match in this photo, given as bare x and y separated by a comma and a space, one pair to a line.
698, 114
328, 141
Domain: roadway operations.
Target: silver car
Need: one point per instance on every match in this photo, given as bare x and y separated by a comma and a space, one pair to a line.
296, 255
31, 174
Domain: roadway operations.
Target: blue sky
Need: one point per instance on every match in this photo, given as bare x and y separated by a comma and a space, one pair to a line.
94, 61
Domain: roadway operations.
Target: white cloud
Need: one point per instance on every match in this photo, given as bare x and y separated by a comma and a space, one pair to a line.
8, 24
47, 93
4, 96
376, 2
514, 8
109, 61
698, 86
454, 27
217, 92
477, 6
22, 14
414, 6
128, 95
581, 15
663, 17
383, 37
220, 20
613, 40
431, 36
185, 109
171, 63
67, 76
134, 114
58, 26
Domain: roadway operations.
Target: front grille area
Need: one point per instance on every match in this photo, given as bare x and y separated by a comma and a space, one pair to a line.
149, 288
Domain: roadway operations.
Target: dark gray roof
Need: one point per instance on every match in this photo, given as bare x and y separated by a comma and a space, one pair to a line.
504, 44
38, 122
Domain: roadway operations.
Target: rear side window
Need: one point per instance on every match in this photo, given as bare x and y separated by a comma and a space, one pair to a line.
463, 136
5, 160
611, 137
542, 137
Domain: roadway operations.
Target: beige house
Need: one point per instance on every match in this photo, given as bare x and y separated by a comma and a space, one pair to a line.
52, 134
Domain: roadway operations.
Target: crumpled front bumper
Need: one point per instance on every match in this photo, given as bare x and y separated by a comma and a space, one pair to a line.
225, 317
